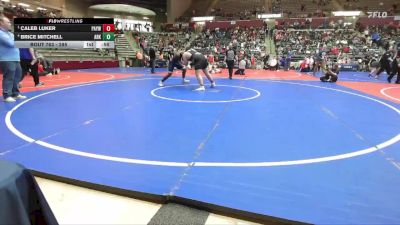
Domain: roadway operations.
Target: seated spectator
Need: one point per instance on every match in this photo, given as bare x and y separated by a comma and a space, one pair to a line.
283, 63
45, 67
305, 65
242, 67
331, 75
273, 64
214, 69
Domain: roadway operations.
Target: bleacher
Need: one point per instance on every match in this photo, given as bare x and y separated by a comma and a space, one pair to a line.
77, 54
310, 7
246, 42
242, 9
342, 45
370, 5
200, 8
161, 40
123, 49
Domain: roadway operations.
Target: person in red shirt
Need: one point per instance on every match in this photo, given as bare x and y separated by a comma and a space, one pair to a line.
304, 66
335, 50
40, 68
45, 67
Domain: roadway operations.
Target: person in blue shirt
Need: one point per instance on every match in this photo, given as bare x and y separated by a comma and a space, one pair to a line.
282, 62
9, 62
376, 37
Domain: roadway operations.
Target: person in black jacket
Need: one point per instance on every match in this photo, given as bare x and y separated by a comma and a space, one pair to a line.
385, 62
396, 65
152, 55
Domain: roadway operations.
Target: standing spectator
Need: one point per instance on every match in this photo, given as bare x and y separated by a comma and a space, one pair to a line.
253, 61
373, 65
140, 59
152, 54
395, 66
376, 38
187, 37
395, 70
9, 62
318, 59
384, 63
29, 64
211, 60
266, 59
288, 61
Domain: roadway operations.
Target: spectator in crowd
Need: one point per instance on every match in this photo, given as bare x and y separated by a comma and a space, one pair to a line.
242, 67
152, 55
385, 63
265, 61
273, 64
305, 65
331, 75
9, 62
282, 63
395, 66
318, 61
373, 66
45, 67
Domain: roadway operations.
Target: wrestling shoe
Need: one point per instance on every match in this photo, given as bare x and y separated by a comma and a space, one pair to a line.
20, 97
201, 88
9, 99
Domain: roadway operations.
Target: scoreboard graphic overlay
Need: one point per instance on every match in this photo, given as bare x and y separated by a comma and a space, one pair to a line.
64, 33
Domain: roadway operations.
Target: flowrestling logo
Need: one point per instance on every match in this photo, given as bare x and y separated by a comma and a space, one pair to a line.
377, 14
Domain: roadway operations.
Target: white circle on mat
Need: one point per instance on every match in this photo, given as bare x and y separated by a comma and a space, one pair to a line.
256, 95
360, 152
383, 91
